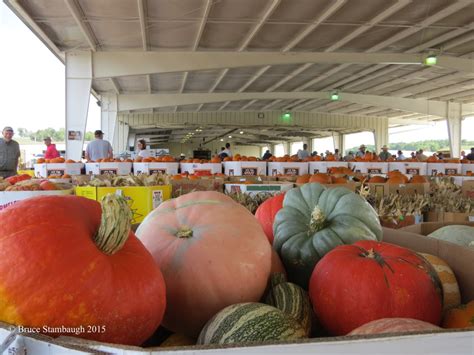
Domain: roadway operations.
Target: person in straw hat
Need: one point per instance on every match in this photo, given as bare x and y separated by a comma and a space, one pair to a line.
384, 154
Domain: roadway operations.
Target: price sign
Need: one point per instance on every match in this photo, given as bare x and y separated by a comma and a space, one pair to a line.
274, 172
374, 171
108, 171
157, 171
157, 197
450, 171
291, 171
231, 172
249, 171
413, 171
315, 171
58, 172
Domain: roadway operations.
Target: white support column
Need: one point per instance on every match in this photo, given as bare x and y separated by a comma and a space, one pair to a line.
78, 87
131, 139
454, 121
123, 138
109, 120
310, 145
381, 134
338, 140
287, 147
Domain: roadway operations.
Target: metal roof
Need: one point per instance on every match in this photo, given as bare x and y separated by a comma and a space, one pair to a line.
442, 27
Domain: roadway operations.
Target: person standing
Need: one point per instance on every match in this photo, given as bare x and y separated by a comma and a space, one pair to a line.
384, 154
303, 153
470, 156
99, 148
267, 155
400, 155
142, 151
9, 153
51, 151
227, 150
361, 152
420, 156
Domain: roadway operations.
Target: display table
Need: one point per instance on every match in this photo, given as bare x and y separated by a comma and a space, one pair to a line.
245, 168
323, 166
287, 168
114, 168
57, 169
193, 168
410, 168
369, 167
155, 168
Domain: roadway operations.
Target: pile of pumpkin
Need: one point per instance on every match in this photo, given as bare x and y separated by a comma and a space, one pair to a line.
160, 159
24, 182
59, 160
200, 265
398, 178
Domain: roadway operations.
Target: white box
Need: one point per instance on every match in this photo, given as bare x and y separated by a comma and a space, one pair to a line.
211, 168
444, 168
8, 198
467, 168
458, 180
47, 169
245, 168
369, 167
253, 189
287, 168
409, 168
115, 168
151, 168
323, 166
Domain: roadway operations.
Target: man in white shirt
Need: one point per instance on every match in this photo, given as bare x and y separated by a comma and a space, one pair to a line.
98, 148
400, 155
227, 150
303, 153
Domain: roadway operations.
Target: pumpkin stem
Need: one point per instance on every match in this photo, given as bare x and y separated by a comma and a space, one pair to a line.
184, 232
318, 220
114, 225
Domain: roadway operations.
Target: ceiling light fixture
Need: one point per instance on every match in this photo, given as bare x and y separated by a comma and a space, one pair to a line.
241, 132
431, 60
230, 136
222, 139
335, 96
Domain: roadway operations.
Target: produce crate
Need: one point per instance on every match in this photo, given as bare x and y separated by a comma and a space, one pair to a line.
153, 168
47, 169
323, 166
369, 167
445, 217
350, 185
287, 168
210, 168
113, 168
142, 199
408, 168
8, 198
468, 188
245, 168
205, 183
272, 187
467, 169
386, 189
434, 169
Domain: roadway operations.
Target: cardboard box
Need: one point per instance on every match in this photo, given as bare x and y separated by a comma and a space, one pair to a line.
448, 217
142, 199
444, 168
323, 166
351, 185
113, 168
467, 168
211, 168
287, 169
155, 168
8, 198
250, 178
459, 258
385, 189
245, 168
253, 189
369, 168
45, 170
185, 185
409, 168
468, 188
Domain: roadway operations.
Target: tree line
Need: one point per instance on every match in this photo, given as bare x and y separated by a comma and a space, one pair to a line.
56, 135
427, 145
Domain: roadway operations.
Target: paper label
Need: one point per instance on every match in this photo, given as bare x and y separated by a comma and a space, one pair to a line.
413, 171
157, 196
291, 171
451, 171
374, 171
249, 171
109, 171
157, 171
58, 172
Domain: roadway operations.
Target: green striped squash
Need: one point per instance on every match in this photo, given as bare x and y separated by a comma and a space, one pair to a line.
291, 299
250, 322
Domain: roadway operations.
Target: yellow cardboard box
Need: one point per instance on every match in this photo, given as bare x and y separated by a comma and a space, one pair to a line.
142, 199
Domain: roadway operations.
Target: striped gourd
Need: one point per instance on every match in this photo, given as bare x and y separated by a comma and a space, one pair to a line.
250, 322
291, 299
451, 294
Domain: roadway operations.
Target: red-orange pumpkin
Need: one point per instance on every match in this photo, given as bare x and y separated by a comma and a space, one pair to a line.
266, 212
53, 273
213, 253
393, 325
355, 284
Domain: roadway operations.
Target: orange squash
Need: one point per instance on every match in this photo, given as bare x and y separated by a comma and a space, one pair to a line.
398, 179
303, 179
418, 179
377, 180
338, 180
460, 317
40, 161
320, 178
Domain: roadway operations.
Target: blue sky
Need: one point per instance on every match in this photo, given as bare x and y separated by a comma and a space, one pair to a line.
32, 88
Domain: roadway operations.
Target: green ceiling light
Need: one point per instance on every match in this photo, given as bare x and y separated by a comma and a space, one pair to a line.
431, 60
286, 116
335, 96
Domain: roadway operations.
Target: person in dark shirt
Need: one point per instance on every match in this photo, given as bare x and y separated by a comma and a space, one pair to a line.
9, 153
470, 156
267, 155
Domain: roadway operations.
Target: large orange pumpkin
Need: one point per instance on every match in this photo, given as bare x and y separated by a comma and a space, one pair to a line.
320, 178
418, 179
213, 253
377, 179
54, 272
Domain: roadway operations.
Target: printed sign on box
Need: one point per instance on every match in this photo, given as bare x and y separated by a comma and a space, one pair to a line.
247, 168
288, 168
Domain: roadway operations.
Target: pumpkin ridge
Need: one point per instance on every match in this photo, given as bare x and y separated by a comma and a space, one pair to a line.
187, 204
